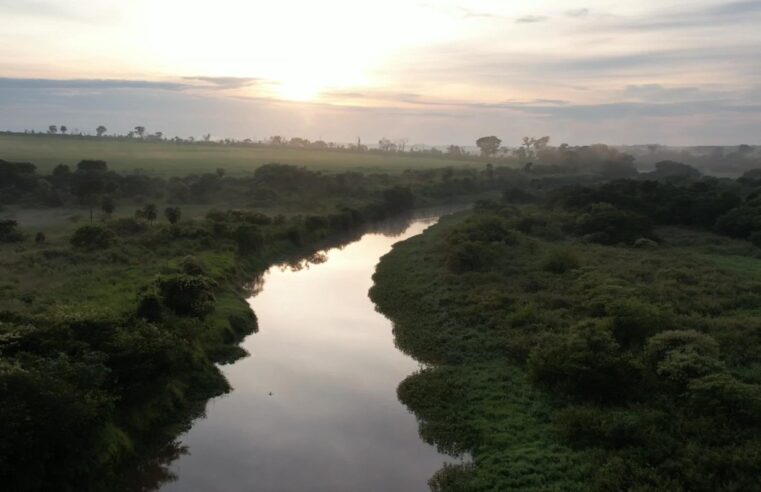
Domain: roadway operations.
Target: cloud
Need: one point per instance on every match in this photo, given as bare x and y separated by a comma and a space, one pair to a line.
577, 13
531, 19
69, 11
89, 84
710, 16
225, 82
531, 102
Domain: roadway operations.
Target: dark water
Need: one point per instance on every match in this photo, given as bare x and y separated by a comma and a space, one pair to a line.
314, 407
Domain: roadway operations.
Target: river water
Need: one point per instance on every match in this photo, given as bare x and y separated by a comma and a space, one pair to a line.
314, 406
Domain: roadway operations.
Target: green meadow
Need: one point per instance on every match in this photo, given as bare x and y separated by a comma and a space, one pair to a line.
173, 159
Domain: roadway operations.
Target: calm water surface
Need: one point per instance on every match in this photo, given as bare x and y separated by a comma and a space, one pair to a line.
314, 407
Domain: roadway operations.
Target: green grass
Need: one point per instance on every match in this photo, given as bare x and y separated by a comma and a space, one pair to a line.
173, 159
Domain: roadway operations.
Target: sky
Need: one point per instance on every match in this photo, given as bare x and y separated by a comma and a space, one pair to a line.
434, 72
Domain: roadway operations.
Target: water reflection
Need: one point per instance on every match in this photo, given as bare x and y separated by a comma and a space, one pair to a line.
314, 407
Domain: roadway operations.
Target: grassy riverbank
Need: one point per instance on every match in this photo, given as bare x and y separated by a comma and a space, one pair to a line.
544, 353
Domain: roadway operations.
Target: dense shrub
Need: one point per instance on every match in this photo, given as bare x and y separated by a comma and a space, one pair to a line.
485, 228
560, 261
187, 295
92, 237
149, 306
585, 363
468, 256
635, 321
606, 224
127, 226
9, 232
249, 238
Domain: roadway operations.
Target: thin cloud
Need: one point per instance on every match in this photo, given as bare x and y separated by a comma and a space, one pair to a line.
577, 13
225, 82
531, 19
89, 84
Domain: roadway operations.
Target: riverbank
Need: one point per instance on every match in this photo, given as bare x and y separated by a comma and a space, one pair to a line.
539, 349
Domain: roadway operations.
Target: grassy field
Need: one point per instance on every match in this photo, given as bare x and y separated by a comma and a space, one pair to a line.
168, 158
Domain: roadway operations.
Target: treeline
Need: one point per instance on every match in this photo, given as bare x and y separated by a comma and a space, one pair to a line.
91, 183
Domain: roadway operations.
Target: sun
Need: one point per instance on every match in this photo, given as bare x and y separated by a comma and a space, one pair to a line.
298, 89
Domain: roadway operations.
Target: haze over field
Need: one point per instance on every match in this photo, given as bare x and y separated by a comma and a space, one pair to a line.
437, 72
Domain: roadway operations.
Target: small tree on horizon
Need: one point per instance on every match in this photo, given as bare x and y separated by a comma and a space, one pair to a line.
488, 145
140, 130
52, 129
64, 129
100, 130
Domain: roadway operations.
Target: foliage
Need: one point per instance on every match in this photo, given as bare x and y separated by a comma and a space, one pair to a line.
635, 371
187, 295
92, 237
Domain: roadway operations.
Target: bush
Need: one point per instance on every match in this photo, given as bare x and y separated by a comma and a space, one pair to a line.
467, 256
249, 238
92, 237
39, 238
560, 261
645, 243
128, 226
606, 224
9, 232
635, 321
586, 362
187, 295
680, 356
191, 266
149, 306
486, 228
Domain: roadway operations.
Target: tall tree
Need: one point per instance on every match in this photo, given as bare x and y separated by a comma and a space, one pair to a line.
140, 130
488, 145
100, 130
52, 129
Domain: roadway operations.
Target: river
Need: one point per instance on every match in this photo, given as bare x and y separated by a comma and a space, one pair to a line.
314, 406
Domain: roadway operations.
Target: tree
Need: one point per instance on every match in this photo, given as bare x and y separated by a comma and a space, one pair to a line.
148, 213
9, 232
52, 129
140, 130
207, 137
64, 129
488, 145
108, 205
89, 182
455, 150
386, 145
101, 130
172, 214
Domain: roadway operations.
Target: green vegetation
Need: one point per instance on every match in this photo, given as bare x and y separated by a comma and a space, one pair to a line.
605, 340
167, 158
111, 324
